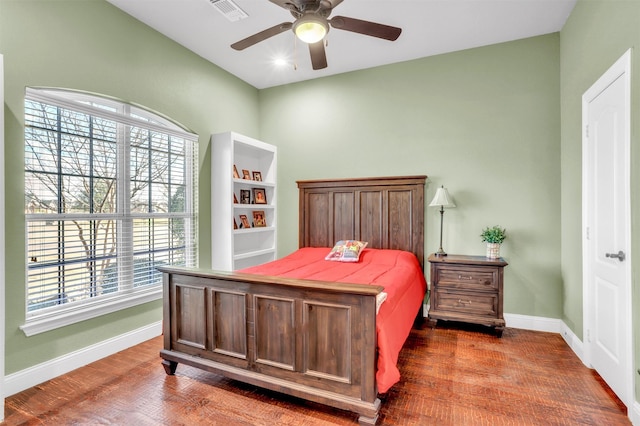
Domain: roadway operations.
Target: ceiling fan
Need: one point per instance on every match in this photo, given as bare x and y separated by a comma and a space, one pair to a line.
312, 24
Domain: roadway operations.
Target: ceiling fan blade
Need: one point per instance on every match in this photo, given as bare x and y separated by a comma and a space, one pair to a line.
318, 56
261, 36
359, 26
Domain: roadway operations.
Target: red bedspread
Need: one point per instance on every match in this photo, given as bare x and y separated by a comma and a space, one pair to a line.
397, 271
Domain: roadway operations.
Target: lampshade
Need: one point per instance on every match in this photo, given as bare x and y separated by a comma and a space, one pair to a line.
442, 199
310, 28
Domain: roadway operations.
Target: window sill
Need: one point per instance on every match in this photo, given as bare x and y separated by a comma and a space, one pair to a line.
72, 315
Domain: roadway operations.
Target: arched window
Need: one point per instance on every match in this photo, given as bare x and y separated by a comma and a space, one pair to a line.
110, 194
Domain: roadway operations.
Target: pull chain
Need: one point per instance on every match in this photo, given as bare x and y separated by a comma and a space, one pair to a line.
295, 53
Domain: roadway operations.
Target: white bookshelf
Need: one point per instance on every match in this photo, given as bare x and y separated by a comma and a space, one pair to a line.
233, 249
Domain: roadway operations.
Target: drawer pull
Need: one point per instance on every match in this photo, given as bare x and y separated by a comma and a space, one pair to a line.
462, 302
468, 277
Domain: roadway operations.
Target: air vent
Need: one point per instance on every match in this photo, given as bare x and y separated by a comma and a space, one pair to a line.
229, 9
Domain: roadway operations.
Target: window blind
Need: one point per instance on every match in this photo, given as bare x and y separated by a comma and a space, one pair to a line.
110, 195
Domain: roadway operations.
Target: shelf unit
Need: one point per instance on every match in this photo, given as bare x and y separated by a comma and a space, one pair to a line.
233, 249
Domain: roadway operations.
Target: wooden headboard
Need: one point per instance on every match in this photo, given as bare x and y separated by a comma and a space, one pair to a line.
387, 212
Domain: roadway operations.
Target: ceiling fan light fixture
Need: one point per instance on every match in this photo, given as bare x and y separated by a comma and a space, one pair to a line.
310, 29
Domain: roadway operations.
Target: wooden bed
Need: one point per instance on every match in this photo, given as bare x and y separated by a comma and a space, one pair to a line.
270, 331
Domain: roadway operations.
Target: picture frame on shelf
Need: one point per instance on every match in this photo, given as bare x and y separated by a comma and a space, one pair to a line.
236, 175
235, 199
245, 174
259, 221
245, 196
257, 176
259, 196
244, 220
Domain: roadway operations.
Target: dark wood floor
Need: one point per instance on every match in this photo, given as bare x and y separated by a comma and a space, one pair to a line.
450, 376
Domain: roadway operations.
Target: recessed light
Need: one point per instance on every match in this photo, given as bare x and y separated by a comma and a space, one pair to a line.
281, 62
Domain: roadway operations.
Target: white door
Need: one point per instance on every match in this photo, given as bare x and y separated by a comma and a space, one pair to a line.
607, 218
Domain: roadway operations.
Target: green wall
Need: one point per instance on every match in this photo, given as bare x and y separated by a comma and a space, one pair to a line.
90, 45
483, 122
596, 34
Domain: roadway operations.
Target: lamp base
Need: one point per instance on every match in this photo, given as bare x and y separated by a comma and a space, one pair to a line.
440, 253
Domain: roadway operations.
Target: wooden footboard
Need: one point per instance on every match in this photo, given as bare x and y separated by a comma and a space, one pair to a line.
310, 339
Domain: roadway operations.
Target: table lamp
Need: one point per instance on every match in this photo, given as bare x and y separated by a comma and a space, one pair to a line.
442, 199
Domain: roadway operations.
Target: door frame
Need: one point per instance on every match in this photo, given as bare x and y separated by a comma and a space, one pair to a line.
620, 69
2, 241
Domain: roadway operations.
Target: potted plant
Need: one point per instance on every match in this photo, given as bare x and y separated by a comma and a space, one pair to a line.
493, 236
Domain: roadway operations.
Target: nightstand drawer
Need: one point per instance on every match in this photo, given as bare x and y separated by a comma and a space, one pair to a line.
467, 303
468, 278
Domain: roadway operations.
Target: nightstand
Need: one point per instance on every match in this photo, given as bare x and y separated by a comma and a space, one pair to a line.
467, 289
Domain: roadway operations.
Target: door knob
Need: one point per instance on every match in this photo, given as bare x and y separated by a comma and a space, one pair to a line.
620, 255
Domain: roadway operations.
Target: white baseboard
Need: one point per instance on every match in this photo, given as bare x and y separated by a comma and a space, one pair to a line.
528, 322
550, 325
574, 342
24, 379
634, 414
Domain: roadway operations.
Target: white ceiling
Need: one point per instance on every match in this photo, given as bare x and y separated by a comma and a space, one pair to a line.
429, 27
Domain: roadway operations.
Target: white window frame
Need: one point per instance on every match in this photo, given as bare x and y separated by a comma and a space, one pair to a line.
50, 318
